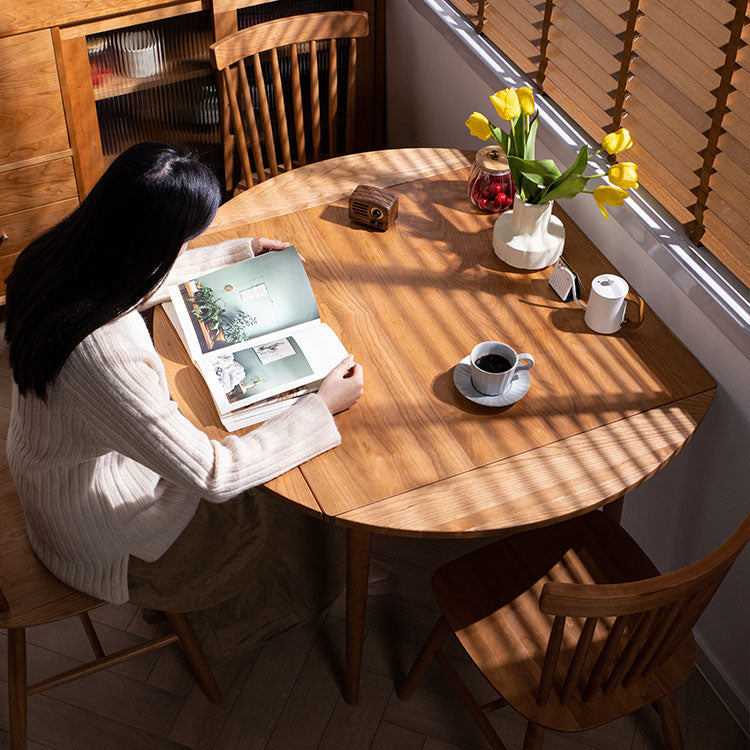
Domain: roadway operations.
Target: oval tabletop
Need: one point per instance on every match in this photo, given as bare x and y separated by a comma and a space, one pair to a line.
603, 413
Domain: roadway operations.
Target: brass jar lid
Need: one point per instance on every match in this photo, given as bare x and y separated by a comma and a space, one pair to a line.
492, 159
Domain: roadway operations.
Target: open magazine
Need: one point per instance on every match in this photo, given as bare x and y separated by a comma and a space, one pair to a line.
254, 332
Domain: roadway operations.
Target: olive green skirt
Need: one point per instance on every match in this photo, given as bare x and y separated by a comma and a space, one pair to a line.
244, 571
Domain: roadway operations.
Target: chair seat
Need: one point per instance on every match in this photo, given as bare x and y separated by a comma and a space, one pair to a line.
490, 598
34, 594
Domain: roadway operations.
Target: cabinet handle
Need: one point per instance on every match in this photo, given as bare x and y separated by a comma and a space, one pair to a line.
3, 237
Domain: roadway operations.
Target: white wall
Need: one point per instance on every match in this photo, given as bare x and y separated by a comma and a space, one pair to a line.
698, 499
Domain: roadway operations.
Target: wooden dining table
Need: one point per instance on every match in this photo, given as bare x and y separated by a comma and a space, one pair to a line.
418, 459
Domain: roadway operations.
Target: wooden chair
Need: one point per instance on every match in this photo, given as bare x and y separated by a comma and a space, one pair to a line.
573, 625
31, 595
251, 62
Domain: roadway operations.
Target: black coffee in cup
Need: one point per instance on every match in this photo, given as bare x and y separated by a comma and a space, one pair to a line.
493, 363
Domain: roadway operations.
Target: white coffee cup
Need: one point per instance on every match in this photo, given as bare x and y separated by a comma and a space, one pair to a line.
607, 304
495, 383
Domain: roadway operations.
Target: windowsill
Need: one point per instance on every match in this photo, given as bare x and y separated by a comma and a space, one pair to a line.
710, 286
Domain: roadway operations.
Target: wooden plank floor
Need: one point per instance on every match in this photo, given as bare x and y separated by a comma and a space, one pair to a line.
287, 694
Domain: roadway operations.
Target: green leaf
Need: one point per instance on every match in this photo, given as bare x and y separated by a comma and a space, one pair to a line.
501, 137
531, 136
568, 188
540, 171
576, 168
519, 137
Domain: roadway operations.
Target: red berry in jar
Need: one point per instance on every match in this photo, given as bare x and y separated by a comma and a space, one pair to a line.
490, 186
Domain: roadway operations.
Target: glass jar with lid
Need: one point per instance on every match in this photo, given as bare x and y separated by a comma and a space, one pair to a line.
491, 186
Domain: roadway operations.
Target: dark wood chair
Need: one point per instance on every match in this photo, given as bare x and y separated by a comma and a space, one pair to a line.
573, 625
265, 61
30, 595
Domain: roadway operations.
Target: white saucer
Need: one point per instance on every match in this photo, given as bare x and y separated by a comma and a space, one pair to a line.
462, 380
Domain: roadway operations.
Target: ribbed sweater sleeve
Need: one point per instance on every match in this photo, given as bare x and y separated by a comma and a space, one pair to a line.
120, 390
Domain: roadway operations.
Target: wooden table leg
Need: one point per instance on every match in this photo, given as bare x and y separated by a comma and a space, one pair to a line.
357, 573
613, 510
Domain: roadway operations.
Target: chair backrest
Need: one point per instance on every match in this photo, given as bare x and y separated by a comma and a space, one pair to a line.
258, 61
644, 621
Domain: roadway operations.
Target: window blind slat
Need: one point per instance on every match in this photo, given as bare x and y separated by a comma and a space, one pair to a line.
507, 19
739, 110
733, 219
663, 90
730, 191
668, 153
704, 75
736, 151
661, 182
578, 15
704, 40
674, 71
582, 77
718, 11
663, 142
581, 114
607, 67
608, 13
607, 46
731, 249
670, 124
498, 29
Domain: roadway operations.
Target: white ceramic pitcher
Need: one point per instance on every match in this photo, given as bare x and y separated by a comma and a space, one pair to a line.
607, 305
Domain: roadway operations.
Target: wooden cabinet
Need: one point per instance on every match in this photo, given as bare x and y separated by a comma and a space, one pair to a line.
37, 182
70, 101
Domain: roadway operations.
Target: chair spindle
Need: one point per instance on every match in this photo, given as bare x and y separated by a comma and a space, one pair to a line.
579, 659
278, 94
550, 660
333, 96
265, 116
606, 655
239, 130
299, 117
315, 99
351, 94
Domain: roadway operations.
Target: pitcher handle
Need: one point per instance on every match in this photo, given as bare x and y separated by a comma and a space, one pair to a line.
629, 322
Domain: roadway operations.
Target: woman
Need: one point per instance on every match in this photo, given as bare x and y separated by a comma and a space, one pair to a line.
111, 476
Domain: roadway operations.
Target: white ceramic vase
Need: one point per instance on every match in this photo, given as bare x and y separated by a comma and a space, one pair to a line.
528, 236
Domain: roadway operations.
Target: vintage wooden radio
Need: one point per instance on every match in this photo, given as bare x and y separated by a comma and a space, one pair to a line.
373, 207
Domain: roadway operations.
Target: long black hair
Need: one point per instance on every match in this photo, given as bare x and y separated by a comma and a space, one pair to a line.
104, 258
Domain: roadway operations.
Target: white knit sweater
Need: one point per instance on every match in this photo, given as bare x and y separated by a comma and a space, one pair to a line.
109, 467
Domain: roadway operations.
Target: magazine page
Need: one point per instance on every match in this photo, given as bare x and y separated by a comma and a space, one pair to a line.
247, 300
275, 364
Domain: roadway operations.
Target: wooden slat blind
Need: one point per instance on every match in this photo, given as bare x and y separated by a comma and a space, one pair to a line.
676, 73
727, 218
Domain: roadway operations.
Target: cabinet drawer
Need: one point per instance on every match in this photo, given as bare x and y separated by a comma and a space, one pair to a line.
22, 15
37, 185
31, 112
22, 227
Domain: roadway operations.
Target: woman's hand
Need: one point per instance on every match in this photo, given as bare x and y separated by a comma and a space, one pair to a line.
343, 387
262, 245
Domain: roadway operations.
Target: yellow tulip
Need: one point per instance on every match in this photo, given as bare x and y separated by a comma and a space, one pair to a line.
506, 103
609, 196
624, 175
479, 126
617, 141
526, 100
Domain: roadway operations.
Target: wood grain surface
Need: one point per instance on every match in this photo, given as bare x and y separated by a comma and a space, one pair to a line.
31, 109
410, 303
325, 182
37, 185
